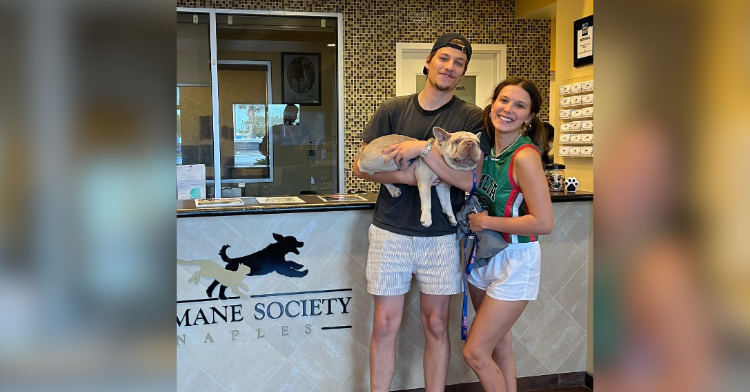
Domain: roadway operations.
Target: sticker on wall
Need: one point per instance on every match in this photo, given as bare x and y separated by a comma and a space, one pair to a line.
270, 259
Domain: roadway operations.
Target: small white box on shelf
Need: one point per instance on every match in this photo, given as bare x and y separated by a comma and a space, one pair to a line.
575, 126
576, 113
587, 86
575, 100
565, 114
587, 112
565, 138
587, 151
574, 152
563, 151
564, 102
565, 127
565, 89
587, 125
587, 99
575, 88
587, 138
575, 139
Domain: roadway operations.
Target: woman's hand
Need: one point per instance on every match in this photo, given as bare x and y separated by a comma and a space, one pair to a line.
403, 152
477, 221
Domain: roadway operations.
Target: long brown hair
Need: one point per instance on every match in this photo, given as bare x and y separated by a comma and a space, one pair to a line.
537, 133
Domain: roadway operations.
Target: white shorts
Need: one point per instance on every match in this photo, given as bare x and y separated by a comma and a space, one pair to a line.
393, 258
512, 275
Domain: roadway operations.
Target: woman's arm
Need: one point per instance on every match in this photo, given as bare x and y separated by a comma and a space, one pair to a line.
529, 176
404, 176
402, 152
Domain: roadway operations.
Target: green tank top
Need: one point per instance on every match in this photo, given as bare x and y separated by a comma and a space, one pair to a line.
497, 191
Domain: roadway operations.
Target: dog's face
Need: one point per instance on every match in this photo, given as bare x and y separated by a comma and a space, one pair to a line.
460, 149
289, 243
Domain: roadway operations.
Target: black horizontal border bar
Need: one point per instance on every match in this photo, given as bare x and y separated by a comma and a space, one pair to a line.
338, 327
267, 295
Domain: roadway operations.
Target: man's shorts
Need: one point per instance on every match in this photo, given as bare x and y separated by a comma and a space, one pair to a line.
511, 275
393, 258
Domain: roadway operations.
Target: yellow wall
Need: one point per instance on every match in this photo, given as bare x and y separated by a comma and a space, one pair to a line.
569, 11
535, 9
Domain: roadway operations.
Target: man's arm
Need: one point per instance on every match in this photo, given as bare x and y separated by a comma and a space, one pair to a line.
405, 151
405, 176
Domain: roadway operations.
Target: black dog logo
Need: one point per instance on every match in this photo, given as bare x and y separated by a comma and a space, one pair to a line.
265, 261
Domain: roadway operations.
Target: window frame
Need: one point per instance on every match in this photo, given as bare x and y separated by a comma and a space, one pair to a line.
339, 136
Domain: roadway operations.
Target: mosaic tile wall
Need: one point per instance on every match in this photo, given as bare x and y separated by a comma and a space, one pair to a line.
372, 28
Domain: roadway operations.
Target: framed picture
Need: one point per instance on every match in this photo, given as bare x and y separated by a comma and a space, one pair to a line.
583, 46
301, 78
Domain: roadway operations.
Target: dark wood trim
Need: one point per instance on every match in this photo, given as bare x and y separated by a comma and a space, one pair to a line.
533, 383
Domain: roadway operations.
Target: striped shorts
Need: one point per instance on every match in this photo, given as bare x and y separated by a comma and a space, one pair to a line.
393, 258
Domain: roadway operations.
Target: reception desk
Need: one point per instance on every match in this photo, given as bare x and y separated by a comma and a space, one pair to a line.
304, 322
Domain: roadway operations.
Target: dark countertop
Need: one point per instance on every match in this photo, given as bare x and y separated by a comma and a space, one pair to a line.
313, 203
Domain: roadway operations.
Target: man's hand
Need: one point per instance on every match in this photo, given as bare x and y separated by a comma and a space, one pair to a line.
402, 153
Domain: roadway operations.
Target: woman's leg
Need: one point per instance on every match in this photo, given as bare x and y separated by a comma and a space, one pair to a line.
503, 357
492, 323
503, 352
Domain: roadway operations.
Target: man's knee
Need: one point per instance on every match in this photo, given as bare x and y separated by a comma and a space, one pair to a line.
435, 325
385, 325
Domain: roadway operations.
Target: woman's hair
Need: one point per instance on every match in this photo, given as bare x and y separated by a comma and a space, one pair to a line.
537, 133
546, 159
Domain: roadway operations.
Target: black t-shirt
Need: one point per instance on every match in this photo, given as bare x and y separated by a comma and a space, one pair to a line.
404, 116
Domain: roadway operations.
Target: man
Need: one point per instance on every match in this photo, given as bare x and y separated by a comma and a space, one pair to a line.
399, 244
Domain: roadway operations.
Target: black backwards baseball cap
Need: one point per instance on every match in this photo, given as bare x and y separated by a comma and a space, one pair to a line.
445, 41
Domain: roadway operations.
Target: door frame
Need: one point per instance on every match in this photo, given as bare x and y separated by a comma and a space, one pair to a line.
269, 99
498, 52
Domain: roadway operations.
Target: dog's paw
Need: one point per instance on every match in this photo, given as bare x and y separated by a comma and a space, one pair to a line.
426, 219
395, 192
452, 220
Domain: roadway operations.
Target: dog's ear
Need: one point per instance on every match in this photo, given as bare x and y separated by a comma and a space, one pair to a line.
440, 134
278, 237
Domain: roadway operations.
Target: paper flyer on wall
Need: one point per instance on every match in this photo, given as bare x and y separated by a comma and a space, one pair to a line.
191, 182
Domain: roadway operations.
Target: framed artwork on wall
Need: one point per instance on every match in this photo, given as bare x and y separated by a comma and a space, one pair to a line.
583, 46
301, 78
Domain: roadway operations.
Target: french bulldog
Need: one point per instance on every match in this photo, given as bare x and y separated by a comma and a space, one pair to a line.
459, 149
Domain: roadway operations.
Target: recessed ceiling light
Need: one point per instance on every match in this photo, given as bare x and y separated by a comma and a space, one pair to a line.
331, 44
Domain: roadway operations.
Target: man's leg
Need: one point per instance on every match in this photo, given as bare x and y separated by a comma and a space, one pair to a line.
437, 350
385, 323
389, 270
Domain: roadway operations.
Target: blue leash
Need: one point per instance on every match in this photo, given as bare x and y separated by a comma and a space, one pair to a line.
469, 265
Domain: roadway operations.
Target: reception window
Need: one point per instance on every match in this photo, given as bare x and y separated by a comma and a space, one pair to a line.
259, 97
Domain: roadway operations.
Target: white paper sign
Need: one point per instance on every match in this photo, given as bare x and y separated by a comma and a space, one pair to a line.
191, 182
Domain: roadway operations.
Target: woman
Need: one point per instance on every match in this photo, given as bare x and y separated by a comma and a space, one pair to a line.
514, 190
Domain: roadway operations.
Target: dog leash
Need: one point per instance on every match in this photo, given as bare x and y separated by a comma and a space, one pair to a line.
469, 264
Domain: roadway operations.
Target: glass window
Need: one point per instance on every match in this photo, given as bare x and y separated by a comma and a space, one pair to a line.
195, 140
278, 104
